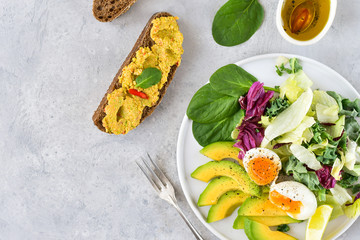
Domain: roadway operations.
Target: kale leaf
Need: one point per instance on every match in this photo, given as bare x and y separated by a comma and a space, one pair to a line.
346, 107
297, 169
320, 134
352, 128
328, 157
350, 109
355, 189
276, 107
283, 228
347, 180
321, 195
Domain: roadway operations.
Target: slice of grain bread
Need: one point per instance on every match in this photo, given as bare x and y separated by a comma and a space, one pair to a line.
108, 10
144, 40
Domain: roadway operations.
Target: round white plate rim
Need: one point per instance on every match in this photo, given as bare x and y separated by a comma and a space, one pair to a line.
186, 121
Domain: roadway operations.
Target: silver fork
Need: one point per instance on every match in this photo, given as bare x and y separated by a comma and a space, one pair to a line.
164, 189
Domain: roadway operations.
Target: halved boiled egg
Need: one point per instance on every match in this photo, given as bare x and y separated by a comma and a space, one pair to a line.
294, 198
262, 165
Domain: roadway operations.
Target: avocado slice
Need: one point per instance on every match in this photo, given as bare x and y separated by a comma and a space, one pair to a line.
214, 169
226, 205
215, 189
258, 231
268, 221
220, 150
260, 207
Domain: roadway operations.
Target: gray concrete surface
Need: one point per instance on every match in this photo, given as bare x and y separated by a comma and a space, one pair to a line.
60, 177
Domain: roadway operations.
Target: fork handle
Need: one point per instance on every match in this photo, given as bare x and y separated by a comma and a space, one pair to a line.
192, 228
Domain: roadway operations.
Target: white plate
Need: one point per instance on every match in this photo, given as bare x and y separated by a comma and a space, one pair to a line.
189, 157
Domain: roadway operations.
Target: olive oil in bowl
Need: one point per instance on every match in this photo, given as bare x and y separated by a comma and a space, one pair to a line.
304, 22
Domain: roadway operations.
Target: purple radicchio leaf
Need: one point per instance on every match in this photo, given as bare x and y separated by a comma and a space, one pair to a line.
342, 133
257, 99
279, 145
243, 102
357, 196
251, 132
250, 136
328, 124
325, 178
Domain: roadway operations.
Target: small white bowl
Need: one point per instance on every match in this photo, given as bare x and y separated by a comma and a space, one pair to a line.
279, 25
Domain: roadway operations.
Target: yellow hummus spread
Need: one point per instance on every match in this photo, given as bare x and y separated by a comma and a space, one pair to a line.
124, 110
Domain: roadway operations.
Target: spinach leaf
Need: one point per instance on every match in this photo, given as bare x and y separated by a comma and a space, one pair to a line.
215, 109
232, 80
206, 133
347, 180
208, 105
283, 228
148, 78
236, 21
276, 107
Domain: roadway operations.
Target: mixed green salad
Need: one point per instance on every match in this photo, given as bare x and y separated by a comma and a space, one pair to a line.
315, 133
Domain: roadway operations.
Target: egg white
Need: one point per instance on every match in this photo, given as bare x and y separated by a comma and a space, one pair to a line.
297, 192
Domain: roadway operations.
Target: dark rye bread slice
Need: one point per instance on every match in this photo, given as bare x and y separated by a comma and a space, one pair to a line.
108, 10
144, 40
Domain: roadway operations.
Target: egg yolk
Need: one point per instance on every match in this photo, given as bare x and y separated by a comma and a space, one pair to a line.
262, 170
285, 203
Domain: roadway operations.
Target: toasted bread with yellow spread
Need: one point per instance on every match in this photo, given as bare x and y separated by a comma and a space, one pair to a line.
125, 105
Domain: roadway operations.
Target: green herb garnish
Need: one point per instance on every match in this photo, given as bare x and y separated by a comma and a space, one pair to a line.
148, 78
294, 67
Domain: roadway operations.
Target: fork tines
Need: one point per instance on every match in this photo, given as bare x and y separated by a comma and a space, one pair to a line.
153, 173
164, 188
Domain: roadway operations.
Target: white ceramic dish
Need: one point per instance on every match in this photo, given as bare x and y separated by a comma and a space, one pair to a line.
279, 25
189, 157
